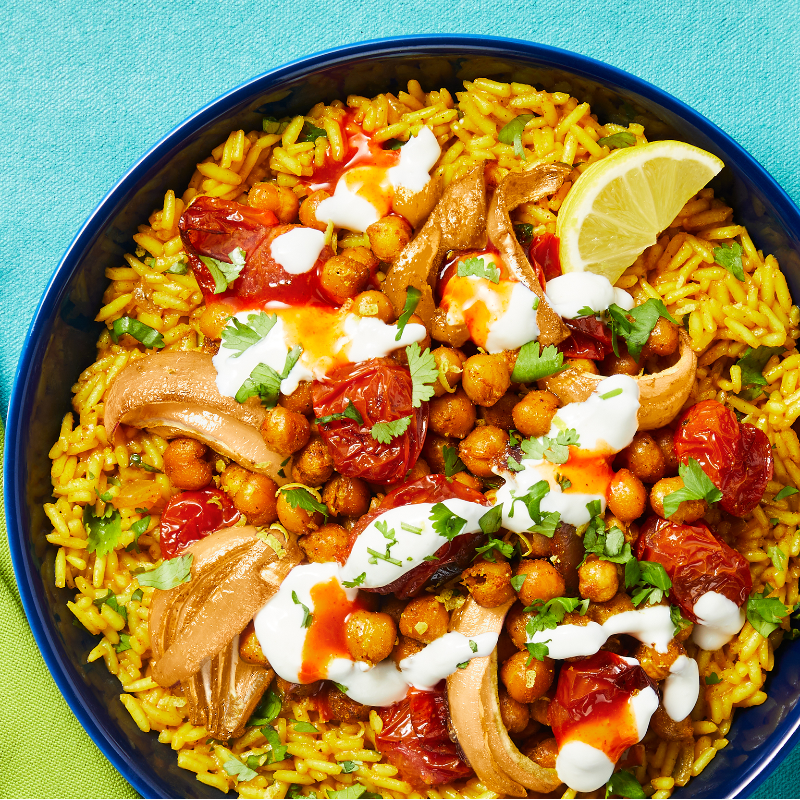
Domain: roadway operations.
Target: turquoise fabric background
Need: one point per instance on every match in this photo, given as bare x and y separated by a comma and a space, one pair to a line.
89, 85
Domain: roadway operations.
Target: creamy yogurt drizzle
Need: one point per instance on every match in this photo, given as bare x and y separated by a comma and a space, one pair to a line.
569, 294
718, 620
681, 688
297, 250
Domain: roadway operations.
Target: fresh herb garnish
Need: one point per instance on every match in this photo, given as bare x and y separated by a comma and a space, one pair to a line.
239, 336
123, 644
349, 766
511, 133
778, 557
384, 432
271, 125
137, 529
730, 258
103, 532
787, 491
225, 273
110, 600
265, 383
624, 784
766, 613
135, 460
531, 365
612, 393
517, 581
531, 500
311, 133
148, 336
479, 268
412, 300
548, 615
752, 365
555, 450
648, 579
712, 679
547, 525
300, 497
169, 574
617, 140
301, 726
524, 233
277, 750
357, 581
679, 622
411, 528
537, 650
636, 325
504, 548
696, 486
239, 770
424, 373
445, 522
308, 617
354, 792
137, 596
606, 545
178, 268
452, 463
351, 412
267, 710
563, 481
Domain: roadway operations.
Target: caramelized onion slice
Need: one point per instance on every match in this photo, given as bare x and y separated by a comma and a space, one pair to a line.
661, 395
175, 394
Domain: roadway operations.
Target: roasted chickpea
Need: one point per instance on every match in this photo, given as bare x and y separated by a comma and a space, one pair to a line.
424, 619
515, 715
505, 647
544, 752
280, 200
313, 465
623, 364
488, 582
405, 648
285, 431
370, 636
541, 545
597, 580
308, 210
688, 511
373, 303
655, 664
185, 464
450, 363
665, 439
643, 458
663, 339
342, 278
539, 709
452, 415
255, 498
433, 450
627, 496
361, 254
388, 236
296, 519
346, 496
470, 481
482, 449
534, 414
668, 729
501, 414
344, 708
299, 400
582, 365
392, 606
542, 582
326, 544
516, 621
526, 683
213, 319
250, 648
600, 612
486, 378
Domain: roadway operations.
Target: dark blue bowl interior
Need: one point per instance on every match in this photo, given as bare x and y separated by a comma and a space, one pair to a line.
61, 342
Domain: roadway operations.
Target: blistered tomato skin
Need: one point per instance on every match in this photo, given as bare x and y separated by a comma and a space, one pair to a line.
451, 558
381, 392
736, 456
190, 516
592, 703
543, 253
415, 739
589, 338
696, 562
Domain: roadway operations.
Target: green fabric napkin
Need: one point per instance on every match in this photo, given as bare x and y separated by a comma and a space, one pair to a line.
44, 751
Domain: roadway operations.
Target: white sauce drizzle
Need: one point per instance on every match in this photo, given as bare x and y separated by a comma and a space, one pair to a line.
368, 337
517, 326
718, 620
681, 688
569, 293
417, 157
297, 250
347, 209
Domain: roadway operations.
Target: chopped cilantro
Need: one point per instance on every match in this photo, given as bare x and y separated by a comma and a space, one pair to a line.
123, 644
393, 144
787, 491
504, 548
636, 332
148, 336
517, 581
696, 486
537, 650
383, 557
135, 460
463, 665
624, 784
169, 574
411, 528
473, 646
354, 792
308, 617
239, 770
648, 580
240, 336
412, 300
524, 233
110, 599
138, 528
349, 766
452, 463
424, 373
351, 412
265, 383
765, 613
531, 366
178, 268
531, 500
752, 365
586, 311
555, 450
300, 497
357, 581
609, 395
564, 482
547, 524
384, 432
445, 522
511, 133
513, 464
300, 726
548, 615
267, 710
712, 679
606, 545
311, 133
277, 750
271, 125
617, 140
492, 520
224, 272
137, 596
479, 268
103, 532
778, 557
679, 622
730, 257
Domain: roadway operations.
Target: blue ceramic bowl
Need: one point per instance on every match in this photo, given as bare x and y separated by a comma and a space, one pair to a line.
62, 338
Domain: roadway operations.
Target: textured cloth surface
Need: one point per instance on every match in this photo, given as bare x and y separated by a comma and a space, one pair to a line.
89, 86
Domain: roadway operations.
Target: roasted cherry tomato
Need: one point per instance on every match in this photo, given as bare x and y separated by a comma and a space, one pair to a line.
451, 557
589, 338
696, 562
736, 456
214, 227
189, 516
381, 392
544, 252
415, 739
592, 703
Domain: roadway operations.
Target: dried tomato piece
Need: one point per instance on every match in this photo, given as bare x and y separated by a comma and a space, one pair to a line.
544, 252
696, 561
589, 338
592, 703
736, 456
381, 392
189, 516
451, 558
415, 739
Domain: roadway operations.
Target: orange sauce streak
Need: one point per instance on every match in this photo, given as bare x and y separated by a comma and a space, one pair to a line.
325, 638
610, 728
589, 473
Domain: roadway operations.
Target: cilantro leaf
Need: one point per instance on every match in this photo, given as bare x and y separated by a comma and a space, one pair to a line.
531, 366
778, 557
135, 460
240, 336
637, 331
612, 393
301, 726
624, 784
311, 132
169, 574
452, 463
765, 613
492, 520
267, 710
537, 650
787, 491
531, 500
617, 140
225, 273
712, 679
752, 365
479, 268
730, 257
524, 233
504, 548
264, 382
514, 465
357, 790
239, 770
445, 522
555, 450
178, 268
351, 412
357, 581
123, 644
511, 133
137, 596
148, 336
110, 599
138, 528
308, 617
548, 615
424, 373
300, 497
547, 525
517, 581
277, 750
648, 580
103, 532
679, 622
587, 311
384, 432
696, 486
412, 301
349, 766
272, 125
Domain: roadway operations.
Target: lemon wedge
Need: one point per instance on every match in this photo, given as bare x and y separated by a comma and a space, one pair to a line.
620, 205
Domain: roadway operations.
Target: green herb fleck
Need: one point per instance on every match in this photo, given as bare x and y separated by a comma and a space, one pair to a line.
148, 336
531, 366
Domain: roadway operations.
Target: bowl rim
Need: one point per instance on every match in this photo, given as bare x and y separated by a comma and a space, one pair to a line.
428, 45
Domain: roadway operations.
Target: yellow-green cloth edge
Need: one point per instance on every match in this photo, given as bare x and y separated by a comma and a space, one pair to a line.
44, 751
